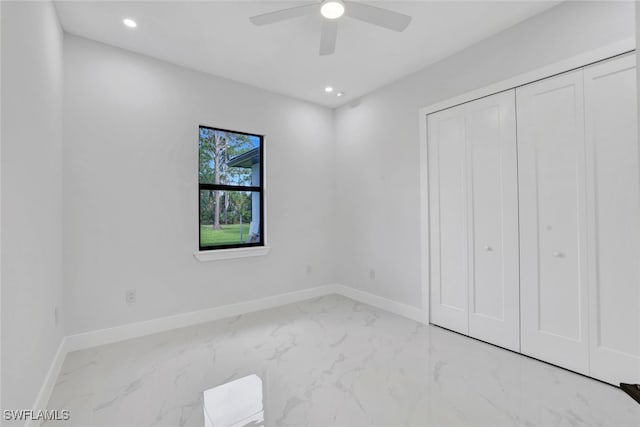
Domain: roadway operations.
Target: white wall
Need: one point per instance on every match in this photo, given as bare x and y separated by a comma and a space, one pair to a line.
31, 167
131, 182
377, 142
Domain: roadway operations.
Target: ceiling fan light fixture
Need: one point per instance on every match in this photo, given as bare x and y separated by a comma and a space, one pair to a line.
128, 22
332, 9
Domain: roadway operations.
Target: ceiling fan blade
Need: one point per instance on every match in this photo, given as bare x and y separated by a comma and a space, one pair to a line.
284, 14
374, 15
328, 36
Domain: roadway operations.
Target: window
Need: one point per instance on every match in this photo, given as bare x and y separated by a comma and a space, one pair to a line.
231, 190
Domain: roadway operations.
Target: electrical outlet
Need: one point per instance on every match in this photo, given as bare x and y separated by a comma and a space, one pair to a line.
372, 274
130, 296
309, 269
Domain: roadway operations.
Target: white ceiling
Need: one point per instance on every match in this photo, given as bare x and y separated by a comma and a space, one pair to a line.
216, 37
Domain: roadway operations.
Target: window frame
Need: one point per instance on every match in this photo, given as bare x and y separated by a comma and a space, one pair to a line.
226, 187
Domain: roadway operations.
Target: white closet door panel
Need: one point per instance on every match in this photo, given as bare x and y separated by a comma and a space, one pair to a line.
613, 161
551, 155
448, 193
493, 286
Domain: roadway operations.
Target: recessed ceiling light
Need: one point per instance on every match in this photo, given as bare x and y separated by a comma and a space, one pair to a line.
340, 94
332, 9
129, 22
328, 89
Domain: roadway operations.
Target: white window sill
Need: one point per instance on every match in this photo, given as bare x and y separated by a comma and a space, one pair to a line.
220, 254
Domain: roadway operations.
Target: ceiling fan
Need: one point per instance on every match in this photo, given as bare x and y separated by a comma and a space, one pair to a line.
331, 10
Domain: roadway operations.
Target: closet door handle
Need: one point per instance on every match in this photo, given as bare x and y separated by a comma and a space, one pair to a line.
558, 254
488, 248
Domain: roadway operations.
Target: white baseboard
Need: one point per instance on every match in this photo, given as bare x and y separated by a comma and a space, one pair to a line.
120, 333
404, 310
49, 381
148, 327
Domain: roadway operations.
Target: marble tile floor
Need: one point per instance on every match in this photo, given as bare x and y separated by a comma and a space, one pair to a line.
329, 362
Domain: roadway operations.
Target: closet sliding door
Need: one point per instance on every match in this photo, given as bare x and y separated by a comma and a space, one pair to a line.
448, 198
535, 245
474, 217
553, 222
613, 183
493, 206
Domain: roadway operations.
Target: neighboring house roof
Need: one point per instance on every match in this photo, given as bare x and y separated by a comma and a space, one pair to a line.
245, 160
